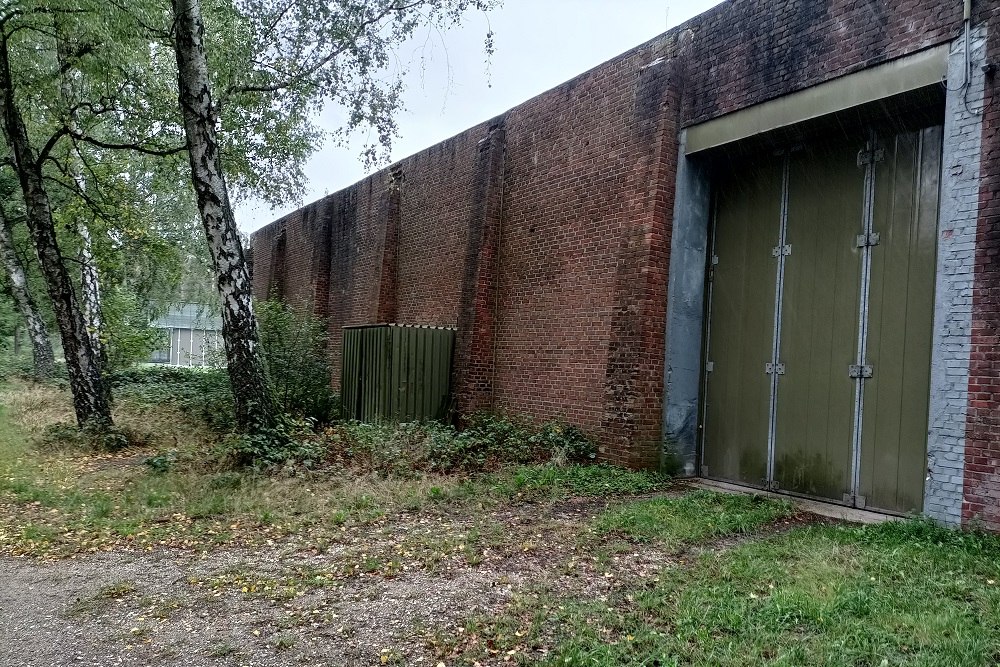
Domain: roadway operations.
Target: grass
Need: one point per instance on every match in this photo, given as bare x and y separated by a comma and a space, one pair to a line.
674, 522
904, 593
615, 580
60, 500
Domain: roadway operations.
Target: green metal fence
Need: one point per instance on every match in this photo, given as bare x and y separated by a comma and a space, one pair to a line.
393, 372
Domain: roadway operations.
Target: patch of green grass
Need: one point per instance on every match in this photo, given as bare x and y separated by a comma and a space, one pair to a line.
114, 591
887, 595
691, 518
578, 480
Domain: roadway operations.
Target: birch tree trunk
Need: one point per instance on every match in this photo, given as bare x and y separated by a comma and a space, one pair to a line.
41, 345
90, 400
91, 293
251, 390
89, 277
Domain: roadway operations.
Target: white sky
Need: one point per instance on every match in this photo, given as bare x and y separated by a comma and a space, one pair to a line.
539, 44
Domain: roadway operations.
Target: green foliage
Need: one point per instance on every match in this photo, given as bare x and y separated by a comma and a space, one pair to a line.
692, 517
565, 442
162, 463
488, 443
582, 480
129, 337
200, 392
295, 349
286, 440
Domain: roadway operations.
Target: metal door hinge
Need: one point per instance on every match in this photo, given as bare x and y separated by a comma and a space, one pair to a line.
855, 371
780, 250
709, 366
715, 260
866, 240
774, 369
867, 157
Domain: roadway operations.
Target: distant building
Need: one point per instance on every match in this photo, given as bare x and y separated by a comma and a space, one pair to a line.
193, 336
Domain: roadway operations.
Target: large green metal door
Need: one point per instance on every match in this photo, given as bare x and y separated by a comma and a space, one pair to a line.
892, 463
815, 399
738, 392
821, 304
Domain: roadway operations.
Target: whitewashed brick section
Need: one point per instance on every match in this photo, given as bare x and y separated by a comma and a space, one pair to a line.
953, 300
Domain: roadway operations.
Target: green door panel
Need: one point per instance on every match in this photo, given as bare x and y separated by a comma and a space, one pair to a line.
901, 311
814, 420
737, 402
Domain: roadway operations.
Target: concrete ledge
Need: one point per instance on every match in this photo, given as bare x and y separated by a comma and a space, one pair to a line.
806, 504
924, 68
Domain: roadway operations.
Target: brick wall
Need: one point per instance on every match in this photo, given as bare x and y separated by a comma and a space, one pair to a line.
549, 248
749, 51
982, 455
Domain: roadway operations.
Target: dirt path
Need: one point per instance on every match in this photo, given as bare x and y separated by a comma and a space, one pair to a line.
290, 605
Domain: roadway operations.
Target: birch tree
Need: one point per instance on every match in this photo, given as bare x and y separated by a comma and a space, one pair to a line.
43, 357
90, 400
44, 132
278, 62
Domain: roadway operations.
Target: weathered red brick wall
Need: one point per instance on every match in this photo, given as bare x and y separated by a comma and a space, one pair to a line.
982, 449
748, 51
548, 244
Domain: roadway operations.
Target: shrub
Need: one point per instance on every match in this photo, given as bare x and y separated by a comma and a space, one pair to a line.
489, 442
287, 440
201, 392
566, 443
295, 349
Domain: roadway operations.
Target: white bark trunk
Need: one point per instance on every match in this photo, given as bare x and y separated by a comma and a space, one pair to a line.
251, 390
38, 333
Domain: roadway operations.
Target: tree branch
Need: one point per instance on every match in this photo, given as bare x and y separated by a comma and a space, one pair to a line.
311, 69
137, 147
43, 154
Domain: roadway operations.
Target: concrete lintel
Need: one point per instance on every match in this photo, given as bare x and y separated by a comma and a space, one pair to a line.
924, 68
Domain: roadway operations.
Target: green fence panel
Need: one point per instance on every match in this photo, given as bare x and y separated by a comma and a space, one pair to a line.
393, 372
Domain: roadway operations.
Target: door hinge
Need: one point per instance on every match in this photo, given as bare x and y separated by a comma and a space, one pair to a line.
774, 369
709, 366
867, 157
715, 260
855, 371
780, 250
867, 240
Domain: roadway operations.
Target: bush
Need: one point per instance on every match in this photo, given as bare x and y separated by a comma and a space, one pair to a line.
295, 349
287, 440
488, 443
201, 392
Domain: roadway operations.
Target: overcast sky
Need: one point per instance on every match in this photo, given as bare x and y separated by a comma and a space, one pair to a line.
539, 44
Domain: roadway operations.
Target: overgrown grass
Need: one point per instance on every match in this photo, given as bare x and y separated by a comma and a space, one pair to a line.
893, 594
58, 499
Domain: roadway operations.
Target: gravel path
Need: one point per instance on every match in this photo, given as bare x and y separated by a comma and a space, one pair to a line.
125, 610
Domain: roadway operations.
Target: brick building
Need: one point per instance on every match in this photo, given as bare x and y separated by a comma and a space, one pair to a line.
762, 247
